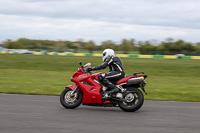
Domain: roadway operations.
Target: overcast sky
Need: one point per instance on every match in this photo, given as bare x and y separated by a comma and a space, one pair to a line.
100, 20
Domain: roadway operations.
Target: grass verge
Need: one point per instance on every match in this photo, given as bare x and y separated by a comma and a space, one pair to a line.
173, 80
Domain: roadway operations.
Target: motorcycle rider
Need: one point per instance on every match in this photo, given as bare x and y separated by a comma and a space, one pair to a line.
116, 71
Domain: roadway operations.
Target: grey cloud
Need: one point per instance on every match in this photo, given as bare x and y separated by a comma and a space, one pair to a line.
176, 13
100, 19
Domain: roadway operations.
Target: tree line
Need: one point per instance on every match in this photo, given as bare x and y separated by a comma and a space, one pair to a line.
169, 46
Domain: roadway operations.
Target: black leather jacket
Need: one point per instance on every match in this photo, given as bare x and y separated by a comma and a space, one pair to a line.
114, 63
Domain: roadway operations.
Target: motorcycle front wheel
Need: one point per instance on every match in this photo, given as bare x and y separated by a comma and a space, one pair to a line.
71, 102
134, 100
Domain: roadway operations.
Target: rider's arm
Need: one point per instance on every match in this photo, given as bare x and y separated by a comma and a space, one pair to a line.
105, 64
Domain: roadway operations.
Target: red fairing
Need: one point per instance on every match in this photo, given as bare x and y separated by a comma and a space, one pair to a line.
124, 80
91, 89
91, 92
72, 87
78, 72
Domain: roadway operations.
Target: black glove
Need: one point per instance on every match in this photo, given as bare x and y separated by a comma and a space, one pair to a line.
90, 69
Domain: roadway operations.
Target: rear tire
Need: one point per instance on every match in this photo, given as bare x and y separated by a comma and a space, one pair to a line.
134, 100
70, 102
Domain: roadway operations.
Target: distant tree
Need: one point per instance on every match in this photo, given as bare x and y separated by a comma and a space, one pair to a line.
126, 45
80, 42
90, 46
39, 45
27, 43
197, 47
76, 47
60, 46
69, 44
187, 47
6, 43
108, 44
15, 45
169, 46
147, 47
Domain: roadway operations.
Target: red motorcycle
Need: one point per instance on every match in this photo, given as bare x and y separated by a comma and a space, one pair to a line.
88, 91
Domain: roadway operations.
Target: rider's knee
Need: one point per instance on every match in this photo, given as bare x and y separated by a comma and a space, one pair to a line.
100, 77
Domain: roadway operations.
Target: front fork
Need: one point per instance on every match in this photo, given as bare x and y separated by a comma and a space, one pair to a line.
73, 92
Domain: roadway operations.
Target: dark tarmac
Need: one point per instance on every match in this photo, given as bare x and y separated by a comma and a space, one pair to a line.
45, 114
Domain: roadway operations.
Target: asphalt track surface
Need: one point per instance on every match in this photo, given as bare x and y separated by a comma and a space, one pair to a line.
44, 114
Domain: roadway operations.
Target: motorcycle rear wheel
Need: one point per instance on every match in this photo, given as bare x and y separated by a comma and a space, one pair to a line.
134, 100
71, 102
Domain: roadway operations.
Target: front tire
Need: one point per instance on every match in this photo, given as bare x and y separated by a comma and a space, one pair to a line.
71, 102
134, 100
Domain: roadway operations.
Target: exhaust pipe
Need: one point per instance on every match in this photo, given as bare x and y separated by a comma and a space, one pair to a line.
135, 80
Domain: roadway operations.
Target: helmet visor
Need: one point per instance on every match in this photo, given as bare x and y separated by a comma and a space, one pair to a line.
104, 54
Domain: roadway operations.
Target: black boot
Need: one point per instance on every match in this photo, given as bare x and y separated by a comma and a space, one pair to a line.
105, 97
113, 90
110, 85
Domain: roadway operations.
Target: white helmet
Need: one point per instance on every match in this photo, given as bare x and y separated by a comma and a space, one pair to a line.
106, 53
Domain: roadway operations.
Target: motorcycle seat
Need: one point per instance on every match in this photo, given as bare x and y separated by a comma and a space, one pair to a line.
115, 81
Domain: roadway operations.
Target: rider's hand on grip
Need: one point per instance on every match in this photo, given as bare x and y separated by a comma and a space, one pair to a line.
89, 69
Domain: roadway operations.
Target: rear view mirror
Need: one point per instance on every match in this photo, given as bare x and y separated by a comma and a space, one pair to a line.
80, 63
88, 64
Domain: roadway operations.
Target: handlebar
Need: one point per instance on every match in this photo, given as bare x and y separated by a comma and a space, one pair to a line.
88, 71
84, 68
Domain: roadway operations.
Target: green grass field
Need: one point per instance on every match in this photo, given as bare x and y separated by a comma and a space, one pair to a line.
171, 80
